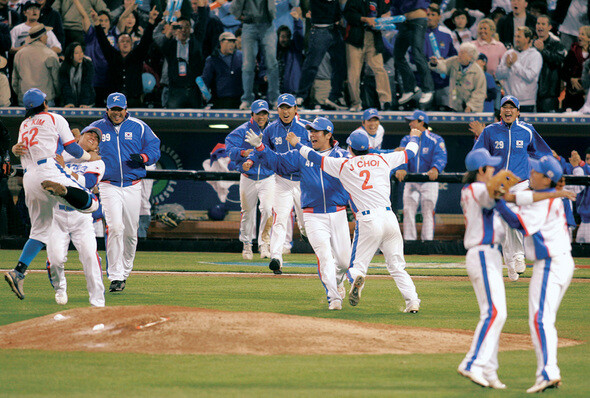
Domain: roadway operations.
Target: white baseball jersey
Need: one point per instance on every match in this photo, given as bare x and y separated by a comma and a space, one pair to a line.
376, 140
482, 225
96, 167
40, 135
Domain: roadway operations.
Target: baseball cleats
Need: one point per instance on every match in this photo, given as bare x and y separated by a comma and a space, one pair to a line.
512, 274
519, 264
335, 305
54, 188
497, 384
247, 252
354, 295
342, 291
412, 307
543, 385
264, 251
477, 379
16, 280
61, 298
117, 286
275, 266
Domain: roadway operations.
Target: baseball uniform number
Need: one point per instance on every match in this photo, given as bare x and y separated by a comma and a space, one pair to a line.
30, 141
367, 175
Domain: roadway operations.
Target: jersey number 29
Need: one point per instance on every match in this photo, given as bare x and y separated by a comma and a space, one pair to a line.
367, 175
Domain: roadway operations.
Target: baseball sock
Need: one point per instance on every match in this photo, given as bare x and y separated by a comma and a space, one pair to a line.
30, 251
78, 198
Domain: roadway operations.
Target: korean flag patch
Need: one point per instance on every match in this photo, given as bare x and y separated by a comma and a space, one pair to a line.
128, 135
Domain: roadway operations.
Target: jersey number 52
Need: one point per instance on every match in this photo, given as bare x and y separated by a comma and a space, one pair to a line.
367, 175
28, 137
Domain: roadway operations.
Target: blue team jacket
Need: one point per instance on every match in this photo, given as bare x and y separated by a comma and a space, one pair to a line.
432, 152
515, 144
275, 137
320, 192
234, 144
134, 136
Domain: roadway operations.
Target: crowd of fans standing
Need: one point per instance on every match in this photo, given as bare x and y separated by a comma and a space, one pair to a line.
461, 55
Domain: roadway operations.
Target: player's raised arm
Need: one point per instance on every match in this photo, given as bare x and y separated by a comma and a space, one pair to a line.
394, 159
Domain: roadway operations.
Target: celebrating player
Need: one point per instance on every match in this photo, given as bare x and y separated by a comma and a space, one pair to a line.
366, 178
127, 146
45, 181
323, 200
372, 127
69, 224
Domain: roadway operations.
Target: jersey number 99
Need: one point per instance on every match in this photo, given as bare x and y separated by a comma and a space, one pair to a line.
106, 137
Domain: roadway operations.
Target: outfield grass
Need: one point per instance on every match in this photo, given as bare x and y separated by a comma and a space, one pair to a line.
445, 303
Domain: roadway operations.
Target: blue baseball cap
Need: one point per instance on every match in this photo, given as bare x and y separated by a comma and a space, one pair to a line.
259, 106
34, 98
321, 124
418, 115
370, 113
116, 100
358, 140
286, 99
549, 166
92, 129
480, 158
510, 98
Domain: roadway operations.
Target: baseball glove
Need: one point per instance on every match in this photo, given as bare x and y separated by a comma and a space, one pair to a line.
499, 184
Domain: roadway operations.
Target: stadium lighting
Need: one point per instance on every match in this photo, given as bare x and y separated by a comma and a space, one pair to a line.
218, 126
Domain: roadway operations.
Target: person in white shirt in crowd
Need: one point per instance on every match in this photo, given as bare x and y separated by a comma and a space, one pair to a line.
20, 33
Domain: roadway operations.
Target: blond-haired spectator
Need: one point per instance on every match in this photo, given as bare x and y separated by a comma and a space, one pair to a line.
486, 43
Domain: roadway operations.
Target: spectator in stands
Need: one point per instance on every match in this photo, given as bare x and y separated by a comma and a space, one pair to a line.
372, 127
184, 56
487, 44
364, 43
290, 54
570, 16
257, 32
520, 68
126, 64
431, 159
128, 23
20, 32
4, 85
468, 82
571, 71
72, 19
553, 54
445, 45
50, 17
5, 42
324, 38
518, 17
583, 203
491, 88
75, 78
7, 15
460, 22
411, 35
285, 9
499, 12
129, 6
230, 23
36, 66
223, 73
213, 29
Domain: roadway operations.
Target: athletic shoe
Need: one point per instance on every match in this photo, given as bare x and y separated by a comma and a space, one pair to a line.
406, 97
354, 295
117, 286
244, 106
512, 274
543, 385
61, 298
355, 108
286, 250
335, 305
477, 379
54, 188
519, 263
277, 271
123, 284
16, 280
413, 307
337, 105
275, 265
247, 252
497, 384
264, 251
342, 291
426, 97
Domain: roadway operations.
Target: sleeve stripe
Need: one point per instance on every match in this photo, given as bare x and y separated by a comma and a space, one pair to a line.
406, 156
341, 166
322, 165
69, 142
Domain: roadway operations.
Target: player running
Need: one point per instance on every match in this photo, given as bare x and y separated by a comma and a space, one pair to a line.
366, 178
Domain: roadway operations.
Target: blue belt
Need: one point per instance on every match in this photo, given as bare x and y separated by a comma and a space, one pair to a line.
65, 208
38, 162
364, 213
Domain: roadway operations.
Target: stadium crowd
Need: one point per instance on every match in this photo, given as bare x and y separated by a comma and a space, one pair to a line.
461, 55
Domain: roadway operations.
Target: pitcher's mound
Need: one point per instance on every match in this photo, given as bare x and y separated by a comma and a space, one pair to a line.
182, 330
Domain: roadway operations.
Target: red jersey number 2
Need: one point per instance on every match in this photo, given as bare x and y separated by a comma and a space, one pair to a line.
367, 175
29, 137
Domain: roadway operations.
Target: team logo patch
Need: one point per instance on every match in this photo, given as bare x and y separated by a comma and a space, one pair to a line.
128, 135
442, 146
519, 143
425, 150
278, 140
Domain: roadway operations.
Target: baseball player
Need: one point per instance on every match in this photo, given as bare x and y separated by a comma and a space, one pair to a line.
287, 188
127, 146
546, 241
255, 184
514, 141
372, 126
69, 224
45, 181
431, 159
583, 199
323, 200
366, 178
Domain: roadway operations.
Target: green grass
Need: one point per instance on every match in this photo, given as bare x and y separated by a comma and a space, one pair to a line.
448, 304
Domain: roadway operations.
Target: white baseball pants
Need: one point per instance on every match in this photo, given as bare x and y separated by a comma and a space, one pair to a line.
513, 245
287, 196
379, 229
423, 194
251, 192
329, 237
550, 280
583, 235
120, 206
484, 267
70, 224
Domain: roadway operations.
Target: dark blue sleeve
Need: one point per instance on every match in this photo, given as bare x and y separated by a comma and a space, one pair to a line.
509, 216
280, 163
74, 149
538, 147
233, 145
91, 180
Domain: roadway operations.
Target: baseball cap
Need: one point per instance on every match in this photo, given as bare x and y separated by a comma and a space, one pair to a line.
116, 100
479, 158
510, 98
358, 140
259, 106
321, 124
30, 4
547, 165
227, 36
418, 115
287, 99
483, 57
92, 129
34, 98
370, 113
